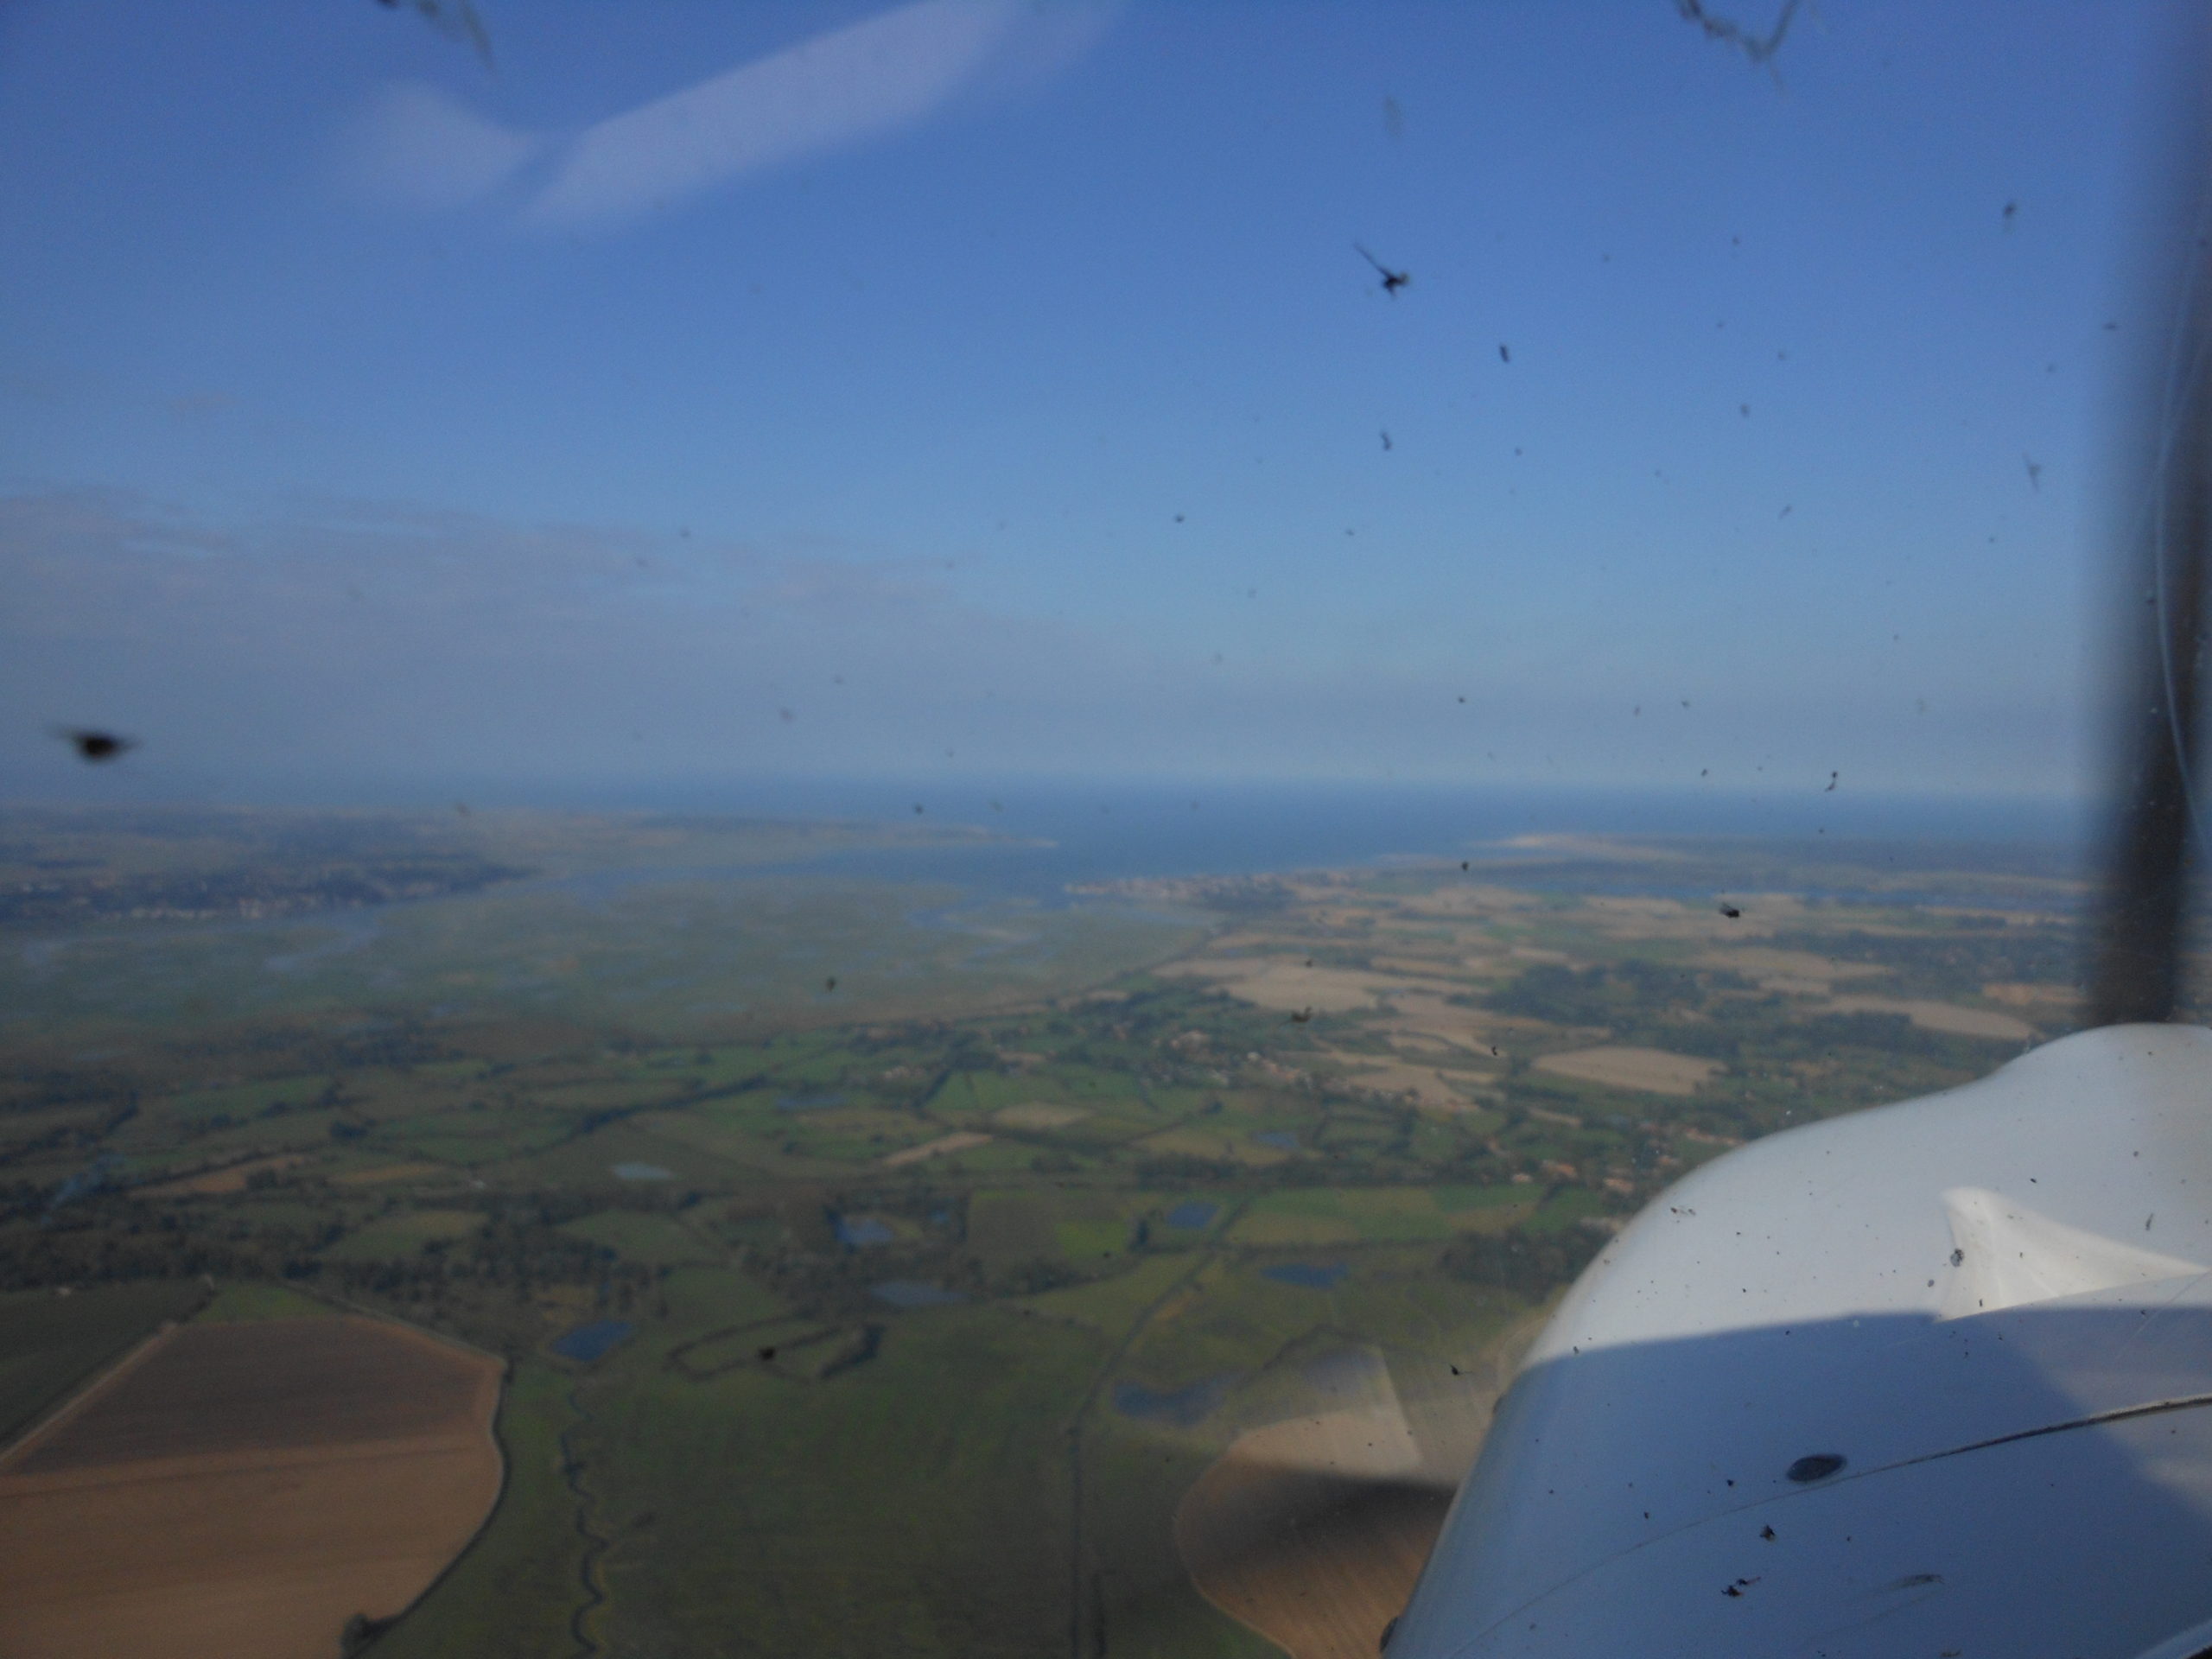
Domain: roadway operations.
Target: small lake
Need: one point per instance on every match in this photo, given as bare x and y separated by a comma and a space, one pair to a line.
858, 1232
642, 1173
1192, 1214
1281, 1140
1307, 1276
809, 1103
1184, 1408
588, 1341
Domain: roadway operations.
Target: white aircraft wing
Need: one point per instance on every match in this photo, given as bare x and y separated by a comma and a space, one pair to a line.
1935, 1379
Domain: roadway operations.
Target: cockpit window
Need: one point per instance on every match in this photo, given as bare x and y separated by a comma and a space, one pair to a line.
879, 827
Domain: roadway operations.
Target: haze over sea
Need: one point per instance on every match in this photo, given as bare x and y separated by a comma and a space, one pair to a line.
1064, 832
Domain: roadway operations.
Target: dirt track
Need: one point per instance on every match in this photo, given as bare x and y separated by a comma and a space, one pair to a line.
241, 1491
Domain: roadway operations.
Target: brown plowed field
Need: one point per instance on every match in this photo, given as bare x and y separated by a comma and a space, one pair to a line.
1316, 1562
1312, 1530
241, 1491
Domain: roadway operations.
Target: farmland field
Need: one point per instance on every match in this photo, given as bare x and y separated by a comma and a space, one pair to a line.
246, 1488
49, 1344
1014, 1295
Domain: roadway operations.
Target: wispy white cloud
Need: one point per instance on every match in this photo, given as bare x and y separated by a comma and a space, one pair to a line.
835, 90
418, 147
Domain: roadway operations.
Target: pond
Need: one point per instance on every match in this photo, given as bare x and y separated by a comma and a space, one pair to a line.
642, 1173
1192, 1214
1184, 1408
857, 1232
588, 1341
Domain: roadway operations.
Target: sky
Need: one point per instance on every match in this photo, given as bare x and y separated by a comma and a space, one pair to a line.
665, 395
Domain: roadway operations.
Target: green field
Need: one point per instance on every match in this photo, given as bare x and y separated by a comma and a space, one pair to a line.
1387, 1215
238, 1304
867, 1403
511, 1593
397, 1237
653, 1241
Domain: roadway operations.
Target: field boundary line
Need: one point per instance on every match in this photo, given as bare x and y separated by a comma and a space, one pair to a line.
500, 1381
89, 1389
502, 1386
346, 1304
1205, 1258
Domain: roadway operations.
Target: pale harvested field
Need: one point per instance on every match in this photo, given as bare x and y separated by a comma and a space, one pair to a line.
1315, 1562
1421, 967
1651, 1069
1423, 1045
1290, 987
1426, 1085
1475, 1029
1490, 965
2054, 1000
1239, 942
962, 1141
1039, 1115
230, 1179
384, 1173
1940, 1016
239, 1491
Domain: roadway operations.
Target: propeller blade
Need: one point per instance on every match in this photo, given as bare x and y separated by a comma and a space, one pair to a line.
2137, 964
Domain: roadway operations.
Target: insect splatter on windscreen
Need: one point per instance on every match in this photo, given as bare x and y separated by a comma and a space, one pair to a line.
95, 745
945, 911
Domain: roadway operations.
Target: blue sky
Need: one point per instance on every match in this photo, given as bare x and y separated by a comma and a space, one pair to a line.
991, 389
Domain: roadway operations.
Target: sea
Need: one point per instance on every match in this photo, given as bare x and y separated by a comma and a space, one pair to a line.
1043, 838
1046, 838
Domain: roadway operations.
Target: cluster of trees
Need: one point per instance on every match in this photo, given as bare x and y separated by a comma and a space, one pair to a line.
1981, 948
1630, 998
114, 1236
1528, 1264
1644, 1003
94, 1245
